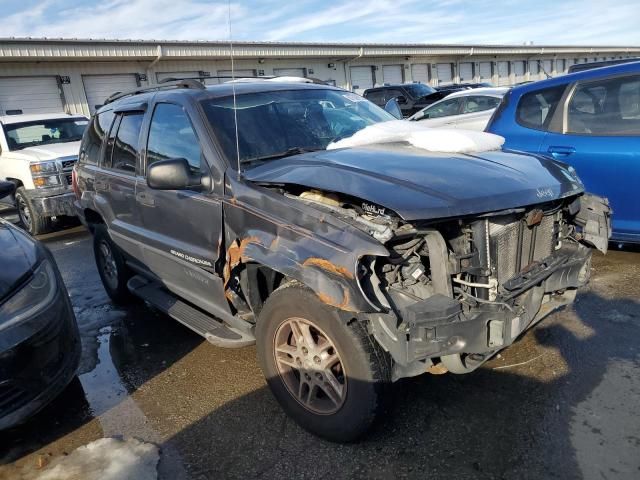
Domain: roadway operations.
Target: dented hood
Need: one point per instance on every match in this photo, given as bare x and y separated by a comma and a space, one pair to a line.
419, 185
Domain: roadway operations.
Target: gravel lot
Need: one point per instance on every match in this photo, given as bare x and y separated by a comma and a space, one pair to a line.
562, 402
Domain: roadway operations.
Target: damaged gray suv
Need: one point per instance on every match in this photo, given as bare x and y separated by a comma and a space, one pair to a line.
350, 268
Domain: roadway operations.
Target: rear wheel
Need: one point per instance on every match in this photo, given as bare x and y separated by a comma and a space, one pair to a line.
112, 268
328, 374
32, 221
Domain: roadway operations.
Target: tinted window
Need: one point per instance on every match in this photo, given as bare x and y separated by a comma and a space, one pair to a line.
171, 136
606, 107
535, 109
479, 103
93, 137
419, 90
125, 148
376, 97
444, 108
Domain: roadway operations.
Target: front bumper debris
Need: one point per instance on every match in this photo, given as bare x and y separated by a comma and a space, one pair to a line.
53, 203
440, 326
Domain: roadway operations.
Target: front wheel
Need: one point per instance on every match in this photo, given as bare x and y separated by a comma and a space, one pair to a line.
32, 221
328, 373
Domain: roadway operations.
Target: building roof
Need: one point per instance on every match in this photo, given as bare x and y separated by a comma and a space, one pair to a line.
18, 49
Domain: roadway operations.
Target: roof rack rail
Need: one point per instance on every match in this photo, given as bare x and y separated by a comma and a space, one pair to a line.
168, 84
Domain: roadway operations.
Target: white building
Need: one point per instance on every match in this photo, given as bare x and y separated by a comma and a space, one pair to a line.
52, 75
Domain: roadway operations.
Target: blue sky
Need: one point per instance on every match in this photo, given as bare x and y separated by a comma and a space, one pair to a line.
577, 22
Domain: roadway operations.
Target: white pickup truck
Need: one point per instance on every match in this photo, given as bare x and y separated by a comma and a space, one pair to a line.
37, 153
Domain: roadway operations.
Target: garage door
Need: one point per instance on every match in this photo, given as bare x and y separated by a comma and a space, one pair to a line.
485, 72
99, 87
361, 78
289, 72
30, 94
560, 66
503, 73
548, 67
466, 72
237, 73
420, 72
534, 70
160, 76
392, 74
445, 73
518, 70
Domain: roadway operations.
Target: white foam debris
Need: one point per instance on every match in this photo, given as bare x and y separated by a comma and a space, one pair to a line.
107, 459
420, 136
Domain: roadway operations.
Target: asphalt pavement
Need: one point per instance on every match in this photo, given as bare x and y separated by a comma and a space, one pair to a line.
563, 402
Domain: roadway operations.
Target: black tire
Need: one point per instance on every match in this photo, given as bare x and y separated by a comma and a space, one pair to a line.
31, 220
113, 271
364, 366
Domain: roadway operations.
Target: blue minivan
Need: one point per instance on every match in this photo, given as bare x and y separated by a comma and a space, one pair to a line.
590, 120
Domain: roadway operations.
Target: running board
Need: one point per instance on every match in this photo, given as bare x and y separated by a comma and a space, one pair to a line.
213, 330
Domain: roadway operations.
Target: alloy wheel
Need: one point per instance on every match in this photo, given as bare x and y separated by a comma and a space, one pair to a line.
310, 366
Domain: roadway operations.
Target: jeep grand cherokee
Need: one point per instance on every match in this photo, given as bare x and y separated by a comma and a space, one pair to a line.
351, 267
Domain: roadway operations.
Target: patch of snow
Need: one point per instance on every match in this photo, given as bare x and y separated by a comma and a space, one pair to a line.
420, 136
107, 459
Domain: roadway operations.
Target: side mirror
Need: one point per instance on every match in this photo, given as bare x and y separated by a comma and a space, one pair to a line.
172, 174
6, 188
393, 108
401, 99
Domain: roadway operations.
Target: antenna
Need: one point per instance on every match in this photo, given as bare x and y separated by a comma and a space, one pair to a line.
233, 90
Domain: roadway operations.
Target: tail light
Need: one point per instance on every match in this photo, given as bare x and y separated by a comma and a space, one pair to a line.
74, 183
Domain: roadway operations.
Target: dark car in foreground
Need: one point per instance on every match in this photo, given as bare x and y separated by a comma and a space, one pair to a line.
411, 97
39, 339
350, 268
590, 120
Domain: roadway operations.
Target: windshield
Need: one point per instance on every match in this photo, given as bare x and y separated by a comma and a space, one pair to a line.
280, 123
44, 132
418, 90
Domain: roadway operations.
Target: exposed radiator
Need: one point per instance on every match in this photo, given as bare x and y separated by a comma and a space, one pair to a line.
514, 245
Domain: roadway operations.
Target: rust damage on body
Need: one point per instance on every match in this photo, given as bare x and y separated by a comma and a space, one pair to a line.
328, 266
235, 255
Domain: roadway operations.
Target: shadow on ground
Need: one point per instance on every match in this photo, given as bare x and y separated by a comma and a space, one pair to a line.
494, 423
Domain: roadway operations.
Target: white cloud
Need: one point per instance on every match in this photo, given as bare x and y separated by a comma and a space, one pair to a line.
411, 21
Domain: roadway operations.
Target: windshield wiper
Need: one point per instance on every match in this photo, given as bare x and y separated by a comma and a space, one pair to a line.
287, 153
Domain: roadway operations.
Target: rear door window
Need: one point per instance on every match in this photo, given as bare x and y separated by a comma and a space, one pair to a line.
171, 135
535, 109
94, 136
125, 145
606, 107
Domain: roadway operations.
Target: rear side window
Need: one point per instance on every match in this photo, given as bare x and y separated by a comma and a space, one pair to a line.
535, 109
607, 107
125, 144
93, 137
171, 136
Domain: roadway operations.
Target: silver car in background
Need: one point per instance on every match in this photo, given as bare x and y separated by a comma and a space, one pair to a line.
468, 109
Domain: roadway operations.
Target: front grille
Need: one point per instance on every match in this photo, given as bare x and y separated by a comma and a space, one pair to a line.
515, 246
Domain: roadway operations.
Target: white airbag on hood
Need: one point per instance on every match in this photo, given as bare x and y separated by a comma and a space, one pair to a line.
420, 136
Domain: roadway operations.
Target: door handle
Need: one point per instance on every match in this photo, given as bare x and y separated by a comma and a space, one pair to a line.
144, 199
560, 151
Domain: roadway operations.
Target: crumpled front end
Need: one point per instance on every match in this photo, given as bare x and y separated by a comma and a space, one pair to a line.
453, 293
